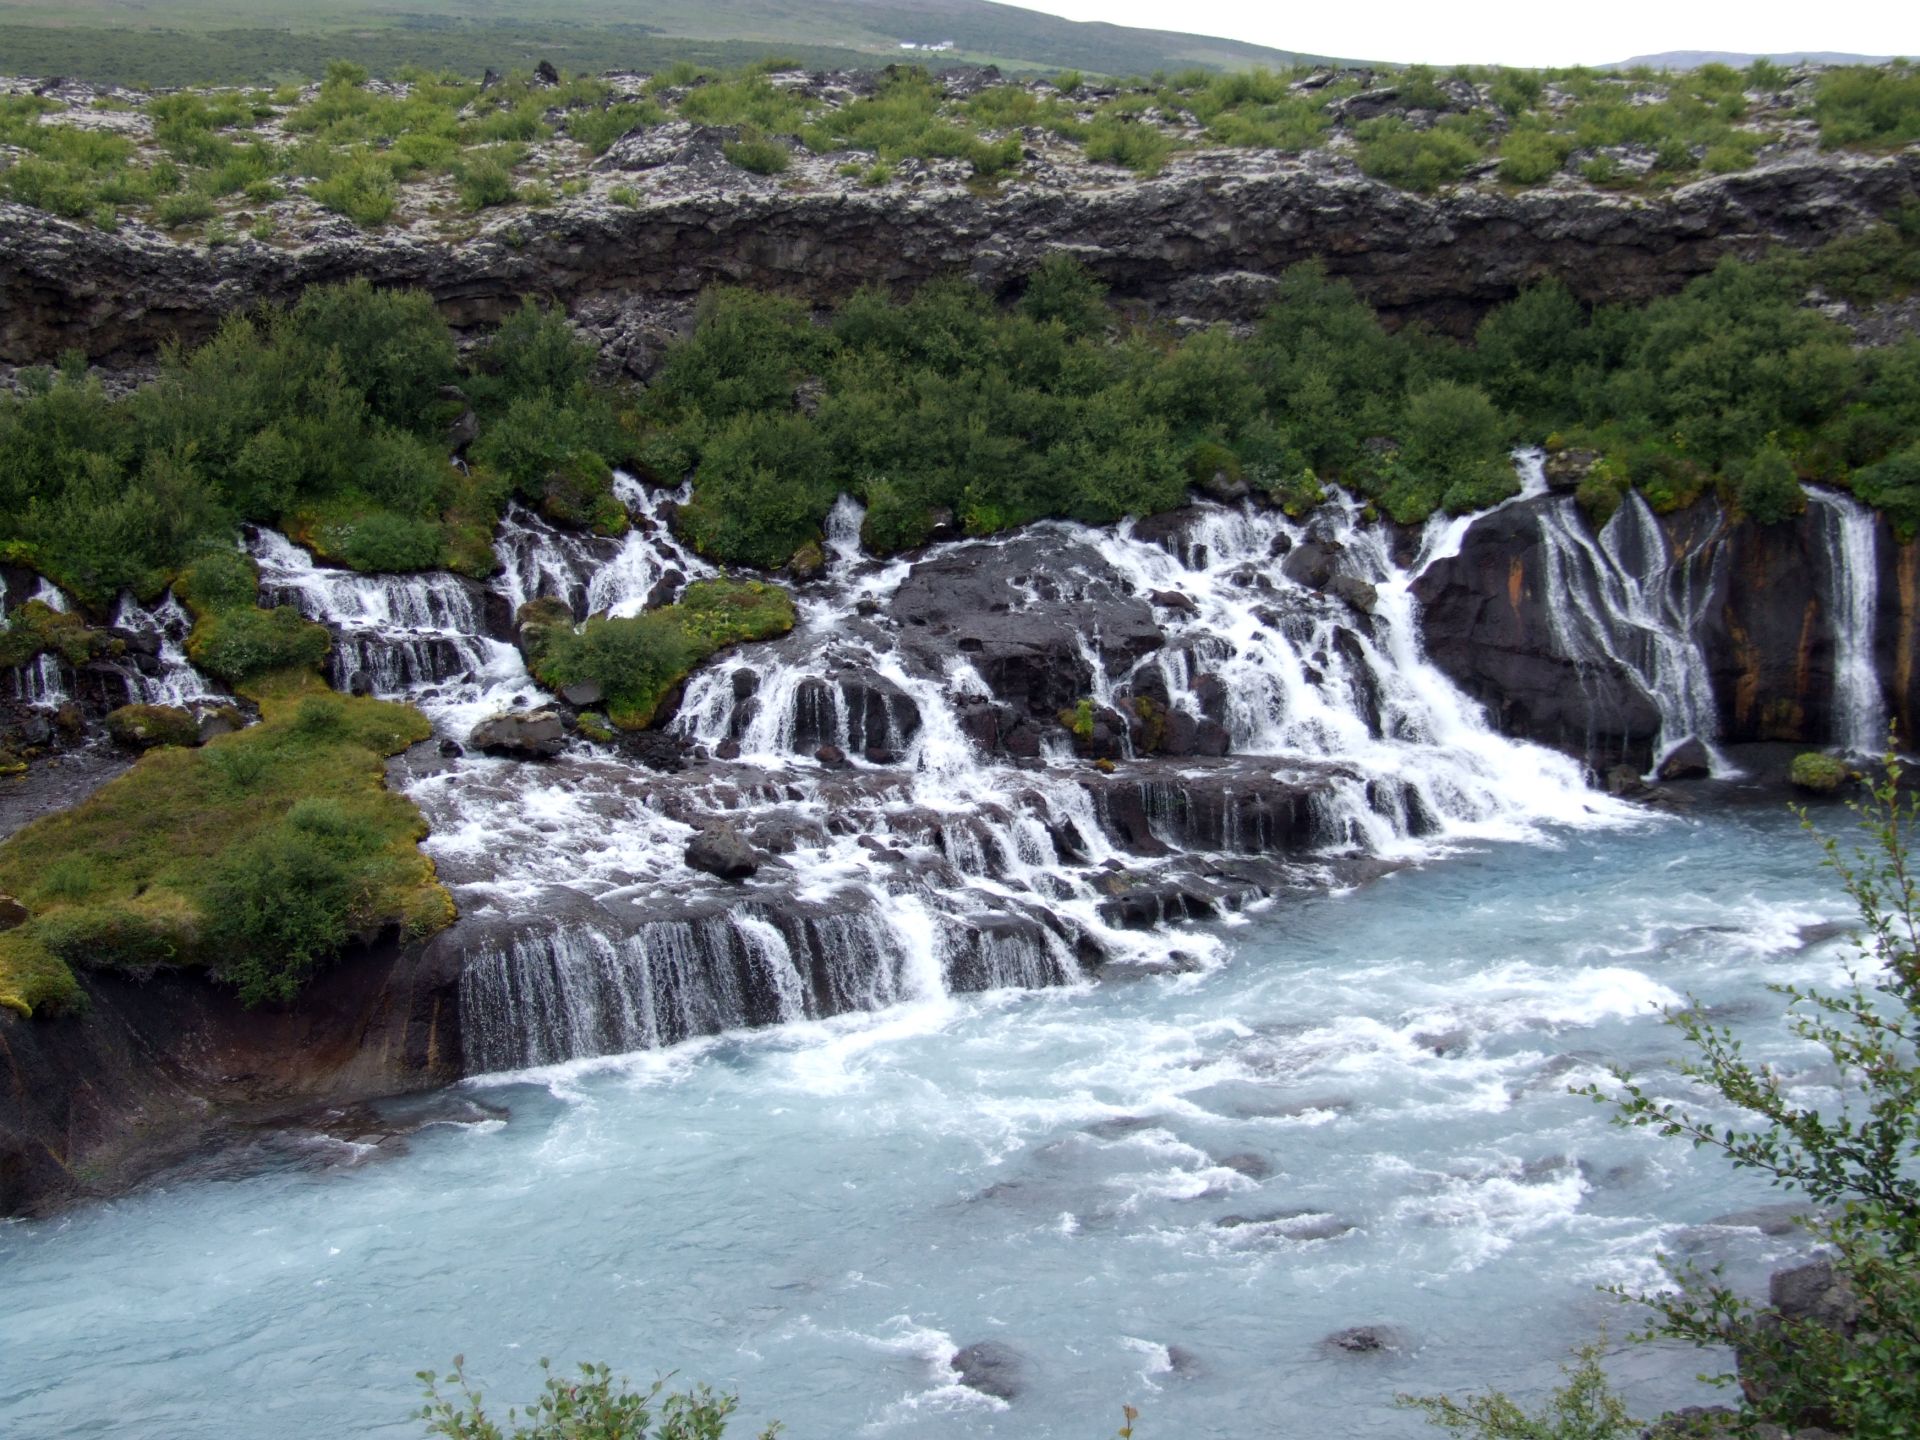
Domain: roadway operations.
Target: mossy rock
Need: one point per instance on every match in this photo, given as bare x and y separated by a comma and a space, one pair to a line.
141, 727
594, 727
1819, 773
258, 856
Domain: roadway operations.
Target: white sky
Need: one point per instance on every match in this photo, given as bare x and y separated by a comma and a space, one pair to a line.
1546, 32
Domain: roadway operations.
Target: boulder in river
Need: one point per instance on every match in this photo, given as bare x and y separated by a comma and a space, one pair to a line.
1688, 760
719, 850
528, 735
1366, 1340
991, 1368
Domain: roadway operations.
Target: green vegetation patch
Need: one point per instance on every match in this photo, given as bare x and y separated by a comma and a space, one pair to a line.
36, 629
638, 661
329, 420
258, 857
946, 407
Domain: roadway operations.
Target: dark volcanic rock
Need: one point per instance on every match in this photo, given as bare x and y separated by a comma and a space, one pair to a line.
1486, 623
719, 850
1689, 760
992, 1369
525, 735
1199, 240
1366, 1340
1017, 611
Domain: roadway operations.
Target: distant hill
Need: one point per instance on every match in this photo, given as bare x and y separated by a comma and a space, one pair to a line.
1694, 59
234, 41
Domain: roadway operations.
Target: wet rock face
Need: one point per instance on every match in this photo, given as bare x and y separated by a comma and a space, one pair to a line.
992, 1369
1486, 622
1017, 610
1767, 634
719, 850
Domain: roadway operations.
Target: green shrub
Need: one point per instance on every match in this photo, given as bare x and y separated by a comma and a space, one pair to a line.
1849, 1156
483, 182
1585, 1408
1766, 488
1140, 147
637, 660
593, 1407
1893, 485
757, 154
118, 936
598, 129
238, 644
188, 207
1868, 105
290, 896
1528, 157
1420, 160
362, 191
218, 580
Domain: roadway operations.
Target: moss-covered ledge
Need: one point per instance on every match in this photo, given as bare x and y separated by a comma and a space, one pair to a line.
258, 857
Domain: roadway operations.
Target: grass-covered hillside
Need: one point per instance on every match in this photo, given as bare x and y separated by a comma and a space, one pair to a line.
189, 42
434, 151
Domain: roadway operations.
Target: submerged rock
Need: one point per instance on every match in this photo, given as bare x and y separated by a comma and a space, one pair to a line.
1366, 1340
992, 1369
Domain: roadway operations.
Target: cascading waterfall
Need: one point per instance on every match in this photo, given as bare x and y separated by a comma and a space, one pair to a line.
174, 680
41, 682
915, 864
1623, 601
399, 632
1850, 588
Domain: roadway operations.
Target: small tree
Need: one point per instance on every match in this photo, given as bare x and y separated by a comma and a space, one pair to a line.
1585, 1408
1859, 1160
594, 1407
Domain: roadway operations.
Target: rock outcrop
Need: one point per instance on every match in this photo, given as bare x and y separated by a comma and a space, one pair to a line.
1204, 240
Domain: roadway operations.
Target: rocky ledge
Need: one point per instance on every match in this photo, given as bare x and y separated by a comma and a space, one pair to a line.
1203, 241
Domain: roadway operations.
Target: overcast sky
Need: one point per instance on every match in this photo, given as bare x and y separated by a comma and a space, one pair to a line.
1542, 33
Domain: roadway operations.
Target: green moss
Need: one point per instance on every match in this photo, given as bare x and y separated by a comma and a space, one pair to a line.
35, 629
141, 727
257, 856
637, 661
237, 644
1823, 774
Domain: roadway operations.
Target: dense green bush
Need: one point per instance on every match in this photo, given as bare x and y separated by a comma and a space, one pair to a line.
291, 896
593, 1407
328, 420
239, 643
636, 660
1876, 105
1422, 160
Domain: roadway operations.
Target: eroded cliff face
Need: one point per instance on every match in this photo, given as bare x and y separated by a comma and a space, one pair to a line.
1771, 611
160, 1067
1204, 241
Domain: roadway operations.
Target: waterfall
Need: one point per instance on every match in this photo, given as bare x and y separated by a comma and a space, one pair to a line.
926, 859
392, 633
42, 681
173, 681
1623, 601
1850, 580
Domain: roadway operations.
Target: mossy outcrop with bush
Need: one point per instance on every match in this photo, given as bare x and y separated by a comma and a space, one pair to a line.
637, 661
257, 857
